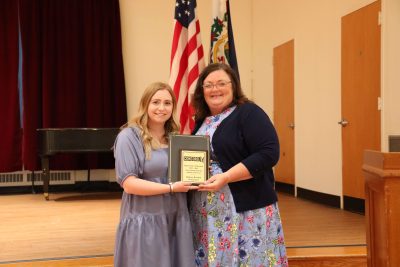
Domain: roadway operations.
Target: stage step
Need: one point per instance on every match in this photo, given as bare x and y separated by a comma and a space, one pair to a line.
345, 256
335, 256
100, 261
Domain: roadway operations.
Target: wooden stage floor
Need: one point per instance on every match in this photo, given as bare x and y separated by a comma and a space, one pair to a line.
75, 225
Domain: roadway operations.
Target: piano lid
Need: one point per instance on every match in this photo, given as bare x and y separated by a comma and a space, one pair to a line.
75, 140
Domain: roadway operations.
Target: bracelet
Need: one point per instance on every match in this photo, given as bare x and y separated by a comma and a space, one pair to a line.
171, 188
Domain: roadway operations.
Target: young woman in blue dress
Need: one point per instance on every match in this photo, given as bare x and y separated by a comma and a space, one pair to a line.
154, 227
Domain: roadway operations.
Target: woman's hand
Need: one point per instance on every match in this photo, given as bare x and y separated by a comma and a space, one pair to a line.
179, 187
215, 183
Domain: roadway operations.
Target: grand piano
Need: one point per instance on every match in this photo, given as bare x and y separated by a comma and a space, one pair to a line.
71, 140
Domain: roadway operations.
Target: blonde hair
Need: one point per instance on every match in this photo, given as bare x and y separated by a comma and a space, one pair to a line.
141, 118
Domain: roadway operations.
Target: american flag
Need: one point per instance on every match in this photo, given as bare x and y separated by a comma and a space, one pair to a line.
187, 59
222, 48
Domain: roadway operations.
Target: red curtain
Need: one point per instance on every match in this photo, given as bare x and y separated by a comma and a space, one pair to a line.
10, 134
72, 73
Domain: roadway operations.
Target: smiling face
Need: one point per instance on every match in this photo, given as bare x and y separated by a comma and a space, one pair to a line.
218, 92
160, 107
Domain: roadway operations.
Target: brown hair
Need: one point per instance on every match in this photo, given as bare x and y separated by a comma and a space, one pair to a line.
199, 103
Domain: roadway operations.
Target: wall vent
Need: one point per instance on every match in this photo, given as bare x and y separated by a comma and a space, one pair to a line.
11, 178
57, 177
54, 176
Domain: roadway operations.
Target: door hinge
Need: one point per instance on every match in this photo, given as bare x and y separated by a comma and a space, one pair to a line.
379, 103
380, 18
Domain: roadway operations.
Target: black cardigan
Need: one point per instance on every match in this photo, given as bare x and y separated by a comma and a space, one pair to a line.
248, 136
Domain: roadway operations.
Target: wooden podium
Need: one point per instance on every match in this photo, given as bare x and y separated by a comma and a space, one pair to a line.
382, 208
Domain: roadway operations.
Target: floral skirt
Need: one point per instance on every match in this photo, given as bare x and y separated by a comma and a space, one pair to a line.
223, 237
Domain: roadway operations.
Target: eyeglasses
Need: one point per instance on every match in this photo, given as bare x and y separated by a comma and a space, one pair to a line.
218, 85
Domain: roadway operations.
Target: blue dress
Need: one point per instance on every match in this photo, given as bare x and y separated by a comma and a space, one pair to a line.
153, 230
224, 237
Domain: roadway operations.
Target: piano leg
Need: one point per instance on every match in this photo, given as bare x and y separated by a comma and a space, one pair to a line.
46, 176
33, 182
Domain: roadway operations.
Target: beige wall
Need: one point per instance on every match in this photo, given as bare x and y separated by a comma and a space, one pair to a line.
390, 70
147, 41
316, 28
259, 26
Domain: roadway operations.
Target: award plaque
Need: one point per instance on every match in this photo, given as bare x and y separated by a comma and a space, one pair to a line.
189, 157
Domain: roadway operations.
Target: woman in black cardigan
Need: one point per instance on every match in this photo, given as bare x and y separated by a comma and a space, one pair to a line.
235, 216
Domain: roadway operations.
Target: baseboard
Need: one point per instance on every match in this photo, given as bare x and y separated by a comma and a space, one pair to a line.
284, 188
354, 204
318, 197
